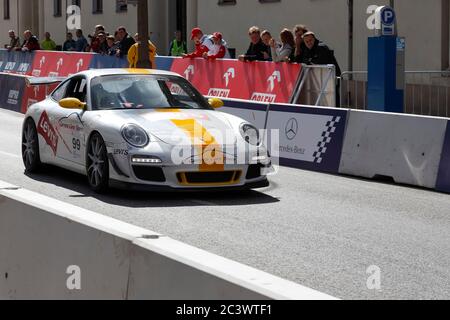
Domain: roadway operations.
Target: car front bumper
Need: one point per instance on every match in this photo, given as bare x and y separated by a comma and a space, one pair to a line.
163, 188
166, 175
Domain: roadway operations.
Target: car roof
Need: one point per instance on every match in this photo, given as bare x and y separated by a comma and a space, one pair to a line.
119, 71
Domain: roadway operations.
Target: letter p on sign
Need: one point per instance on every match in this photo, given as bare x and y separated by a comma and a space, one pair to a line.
388, 16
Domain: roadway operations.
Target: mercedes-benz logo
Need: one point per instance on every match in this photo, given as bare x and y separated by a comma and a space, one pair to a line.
291, 130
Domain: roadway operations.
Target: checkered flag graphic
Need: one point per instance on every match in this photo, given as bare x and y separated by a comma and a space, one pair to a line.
327, 136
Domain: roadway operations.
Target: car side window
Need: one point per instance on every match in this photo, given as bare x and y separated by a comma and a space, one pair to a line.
60, 92
77, 88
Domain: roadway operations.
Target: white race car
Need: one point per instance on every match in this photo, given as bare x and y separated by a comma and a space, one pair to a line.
142, 128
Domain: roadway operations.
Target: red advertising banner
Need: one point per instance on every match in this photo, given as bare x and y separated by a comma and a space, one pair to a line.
34, 95
265, 82
59, 64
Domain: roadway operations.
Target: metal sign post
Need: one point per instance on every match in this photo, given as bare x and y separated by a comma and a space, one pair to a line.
386, 64
144, 59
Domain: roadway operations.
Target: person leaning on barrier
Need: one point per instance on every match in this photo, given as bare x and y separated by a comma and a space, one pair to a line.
299, 31
102, 44
31, 43
81, 44
285, 51
126, 42
95, 40
112, 46
69, 44
203, 44
204, 39
266, 38
133, 53
219, 50
14, 41
317, 53
48, 44
257, 48
177, 46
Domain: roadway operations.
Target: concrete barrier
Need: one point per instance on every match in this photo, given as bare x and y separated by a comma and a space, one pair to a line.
443, 181
405, 147
42, 238
253, 112
310, 138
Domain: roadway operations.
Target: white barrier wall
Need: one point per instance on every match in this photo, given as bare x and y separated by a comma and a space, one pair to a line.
405, 147
251, 111
41, 237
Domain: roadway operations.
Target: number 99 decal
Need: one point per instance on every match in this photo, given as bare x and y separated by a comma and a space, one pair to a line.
76, 144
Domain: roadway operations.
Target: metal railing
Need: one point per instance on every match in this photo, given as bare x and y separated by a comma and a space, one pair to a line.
426, 92
316, 86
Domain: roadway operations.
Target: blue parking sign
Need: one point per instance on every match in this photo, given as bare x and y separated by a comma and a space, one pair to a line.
387, 16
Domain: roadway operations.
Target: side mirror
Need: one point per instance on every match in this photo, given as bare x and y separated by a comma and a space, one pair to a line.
216, 103
72, 103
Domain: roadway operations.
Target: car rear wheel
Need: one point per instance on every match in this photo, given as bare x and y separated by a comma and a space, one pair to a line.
30, 147
97, 166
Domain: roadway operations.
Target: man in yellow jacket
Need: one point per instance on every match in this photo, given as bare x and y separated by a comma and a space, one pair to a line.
133, 53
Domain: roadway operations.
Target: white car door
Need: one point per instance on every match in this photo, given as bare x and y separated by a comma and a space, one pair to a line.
47, 126
70, 125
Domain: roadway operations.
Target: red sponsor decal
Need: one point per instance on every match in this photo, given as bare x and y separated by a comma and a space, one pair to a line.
46, 130
259, 81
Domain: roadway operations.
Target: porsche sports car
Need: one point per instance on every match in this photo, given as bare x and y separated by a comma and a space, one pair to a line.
142, 128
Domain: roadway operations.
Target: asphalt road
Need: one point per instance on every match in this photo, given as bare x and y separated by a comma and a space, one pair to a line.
319, 230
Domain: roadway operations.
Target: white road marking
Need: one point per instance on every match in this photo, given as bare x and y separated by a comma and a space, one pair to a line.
10, 155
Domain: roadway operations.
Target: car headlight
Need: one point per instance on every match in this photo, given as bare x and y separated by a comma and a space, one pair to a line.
250, 134
135, 135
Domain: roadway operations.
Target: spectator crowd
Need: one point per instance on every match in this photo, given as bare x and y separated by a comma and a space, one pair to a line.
120, 44
299, 45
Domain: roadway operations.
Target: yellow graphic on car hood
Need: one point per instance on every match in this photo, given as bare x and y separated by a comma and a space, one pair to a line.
210, 152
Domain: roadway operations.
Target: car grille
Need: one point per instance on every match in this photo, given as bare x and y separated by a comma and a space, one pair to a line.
209, 178
151, 174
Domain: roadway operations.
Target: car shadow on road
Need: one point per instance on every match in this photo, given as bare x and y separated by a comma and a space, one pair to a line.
141, 199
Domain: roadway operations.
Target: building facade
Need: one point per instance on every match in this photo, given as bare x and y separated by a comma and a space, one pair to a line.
42, 16
425, 24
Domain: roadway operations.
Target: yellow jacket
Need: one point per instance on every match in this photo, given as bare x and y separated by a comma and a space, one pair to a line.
133, 54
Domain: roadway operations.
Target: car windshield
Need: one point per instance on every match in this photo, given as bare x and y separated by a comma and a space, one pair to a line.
144, 92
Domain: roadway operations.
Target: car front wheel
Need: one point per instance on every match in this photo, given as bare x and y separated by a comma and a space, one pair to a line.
97, 166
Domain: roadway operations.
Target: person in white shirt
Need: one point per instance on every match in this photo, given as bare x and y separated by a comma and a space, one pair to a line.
208, 41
